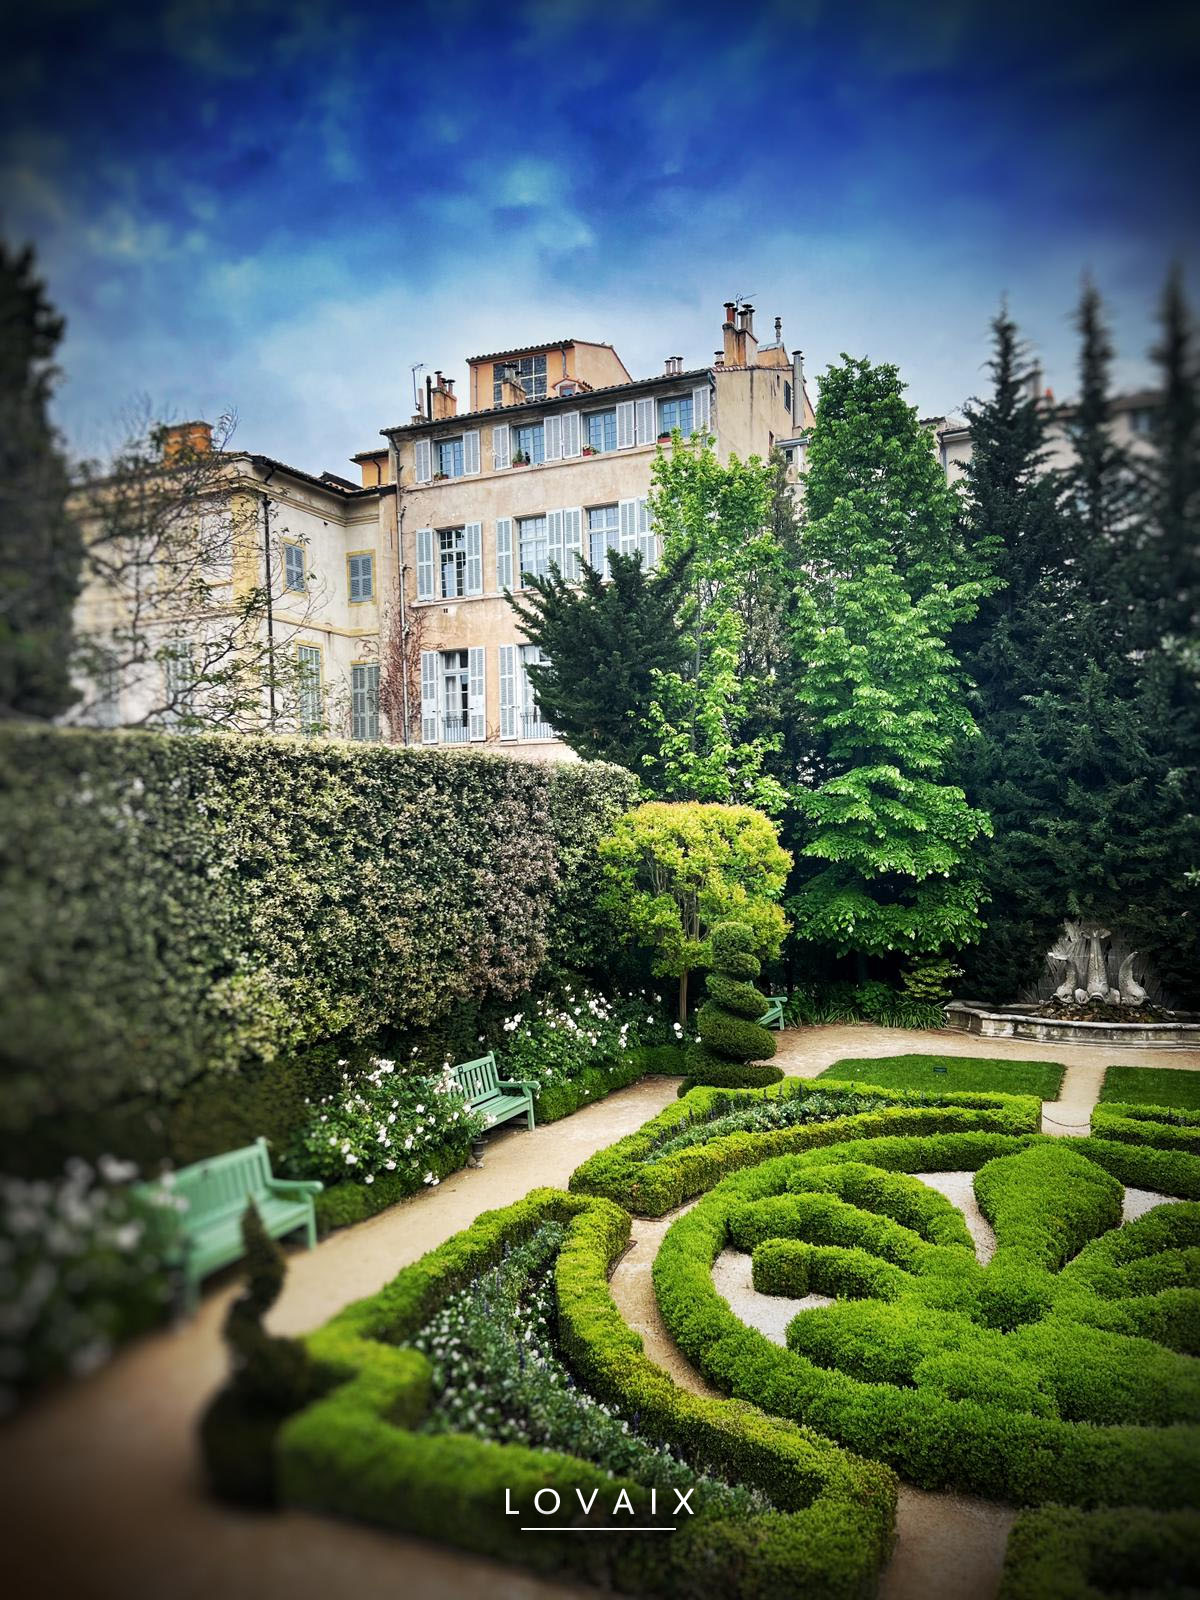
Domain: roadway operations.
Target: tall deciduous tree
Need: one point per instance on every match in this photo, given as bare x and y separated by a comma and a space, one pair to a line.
40, 544
889, 576
605, 643
706, 717
673, 871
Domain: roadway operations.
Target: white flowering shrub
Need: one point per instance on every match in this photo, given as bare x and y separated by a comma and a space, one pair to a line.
386, 1122
554, 1041
83, 1266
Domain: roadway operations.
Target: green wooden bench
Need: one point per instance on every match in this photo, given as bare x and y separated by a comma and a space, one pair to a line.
217, 1191
496, 1099
772, 1017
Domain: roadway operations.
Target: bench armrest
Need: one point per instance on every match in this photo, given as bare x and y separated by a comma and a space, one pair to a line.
518, 1083
297, 1185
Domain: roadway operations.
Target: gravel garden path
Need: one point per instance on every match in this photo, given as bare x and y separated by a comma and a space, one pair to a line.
100, 1480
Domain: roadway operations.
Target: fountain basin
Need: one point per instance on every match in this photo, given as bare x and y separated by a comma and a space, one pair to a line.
1180, 1032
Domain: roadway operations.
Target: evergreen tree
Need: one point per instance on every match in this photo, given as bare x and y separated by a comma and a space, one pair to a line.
886, 560
734, 1046
41, 549
1173, 477
605, 642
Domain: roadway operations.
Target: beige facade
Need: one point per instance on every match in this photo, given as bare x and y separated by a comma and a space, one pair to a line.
1131, 421
510, 488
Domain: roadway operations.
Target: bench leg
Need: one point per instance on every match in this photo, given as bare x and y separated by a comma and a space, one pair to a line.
530, 1116
310, 1227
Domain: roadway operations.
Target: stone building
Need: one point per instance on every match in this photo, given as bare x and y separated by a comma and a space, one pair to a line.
550, 465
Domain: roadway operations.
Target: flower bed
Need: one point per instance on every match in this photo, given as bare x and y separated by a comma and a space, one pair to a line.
368, 1450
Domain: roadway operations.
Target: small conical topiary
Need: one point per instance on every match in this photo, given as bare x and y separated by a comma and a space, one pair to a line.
734, 1046
270, 1378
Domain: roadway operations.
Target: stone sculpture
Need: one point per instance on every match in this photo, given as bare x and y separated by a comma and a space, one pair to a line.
1130, 990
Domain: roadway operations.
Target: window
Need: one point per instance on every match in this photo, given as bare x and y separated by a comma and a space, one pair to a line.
361, 568
530, 442
1141, 420
105, 709
601, 430
448, 458
456, 685
532, 725
364, 700
311, 700
534, 554
602, 536
179, 679
293, 568
787, 395
675, 413
452, 562
530, 373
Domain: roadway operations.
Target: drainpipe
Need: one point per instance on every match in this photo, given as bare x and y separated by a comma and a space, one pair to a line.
394, 464
266, 508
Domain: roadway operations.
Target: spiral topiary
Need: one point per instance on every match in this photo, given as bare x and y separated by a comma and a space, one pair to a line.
733, 1044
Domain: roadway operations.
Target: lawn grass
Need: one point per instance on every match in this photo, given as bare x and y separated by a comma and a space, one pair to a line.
996, 1075
1153, 1086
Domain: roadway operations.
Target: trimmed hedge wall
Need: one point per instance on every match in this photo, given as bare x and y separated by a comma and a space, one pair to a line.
355, 1452
1008, 1381
1057, 1554
174, 906
628, 1172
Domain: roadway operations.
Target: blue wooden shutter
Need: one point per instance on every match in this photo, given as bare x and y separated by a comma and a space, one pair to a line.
508, 691
504, 553
473, 539
476, 702
430, 665
625, 430
424, 563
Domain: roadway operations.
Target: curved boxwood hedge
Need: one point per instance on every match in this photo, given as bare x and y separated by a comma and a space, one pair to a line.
1054, 1373
629, 1173
356, 1452
1059, 1554
1161, 1126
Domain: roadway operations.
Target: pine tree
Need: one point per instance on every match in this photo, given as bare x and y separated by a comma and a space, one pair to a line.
41, 548
605, 641
886, 562
1173, 477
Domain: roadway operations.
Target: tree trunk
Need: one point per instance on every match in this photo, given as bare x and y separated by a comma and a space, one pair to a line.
683, 988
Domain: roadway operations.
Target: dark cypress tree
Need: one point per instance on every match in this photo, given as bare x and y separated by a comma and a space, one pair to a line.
604, 641
41, 549
1173, 476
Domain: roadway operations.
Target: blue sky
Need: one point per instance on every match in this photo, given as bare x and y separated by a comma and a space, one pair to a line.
281, 207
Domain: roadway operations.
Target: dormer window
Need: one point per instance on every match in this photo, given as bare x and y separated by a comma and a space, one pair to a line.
530, 373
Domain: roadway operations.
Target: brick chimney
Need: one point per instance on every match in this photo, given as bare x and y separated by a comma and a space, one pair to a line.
746, 329
732, 340
512, 392
445, 401
186, 439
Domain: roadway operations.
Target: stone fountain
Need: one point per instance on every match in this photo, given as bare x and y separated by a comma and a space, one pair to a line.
1089, 992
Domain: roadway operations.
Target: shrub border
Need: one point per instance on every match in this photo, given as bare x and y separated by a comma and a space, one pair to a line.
1059, 1554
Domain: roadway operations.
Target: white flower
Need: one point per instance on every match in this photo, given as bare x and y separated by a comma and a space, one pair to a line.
369, 1178
351, 1161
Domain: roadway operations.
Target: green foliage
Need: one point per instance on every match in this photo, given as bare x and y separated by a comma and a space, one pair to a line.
941, 1073
1034, 1378
704, 718
1059, 1554
632, 1173
41, 549
360, 1450
871, 1001
270, 1378
888, 578
179, 908
730, 1033
605, 643
1153, 1086
85, 1261
673, 871
1166, 1127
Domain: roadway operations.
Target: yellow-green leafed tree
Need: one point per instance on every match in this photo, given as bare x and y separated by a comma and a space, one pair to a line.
671, 872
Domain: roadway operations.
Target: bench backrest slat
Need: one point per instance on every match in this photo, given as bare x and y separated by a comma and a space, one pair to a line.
477, 1079
223, 1183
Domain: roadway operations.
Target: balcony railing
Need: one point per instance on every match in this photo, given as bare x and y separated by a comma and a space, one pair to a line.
534, 727
455, 730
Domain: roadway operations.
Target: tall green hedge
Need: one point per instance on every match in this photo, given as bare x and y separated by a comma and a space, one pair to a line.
174, 906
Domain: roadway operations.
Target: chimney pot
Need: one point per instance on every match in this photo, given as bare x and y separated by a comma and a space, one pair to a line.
730, 309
